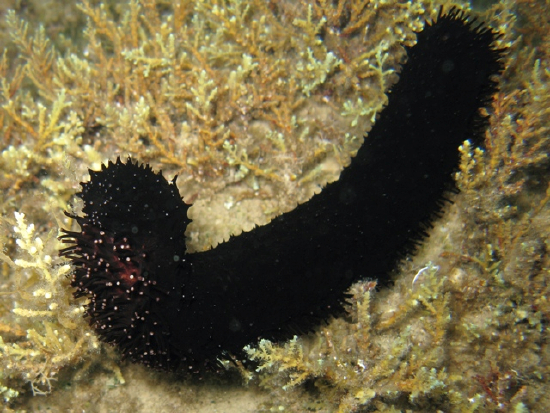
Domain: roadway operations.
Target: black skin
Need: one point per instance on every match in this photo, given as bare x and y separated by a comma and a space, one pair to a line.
286, 277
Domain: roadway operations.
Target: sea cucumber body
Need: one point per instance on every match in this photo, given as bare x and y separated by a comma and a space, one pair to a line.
286, 277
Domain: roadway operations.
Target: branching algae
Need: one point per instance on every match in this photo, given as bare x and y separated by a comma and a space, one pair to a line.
254, 121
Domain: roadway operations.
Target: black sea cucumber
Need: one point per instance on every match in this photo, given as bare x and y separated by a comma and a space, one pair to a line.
168, 309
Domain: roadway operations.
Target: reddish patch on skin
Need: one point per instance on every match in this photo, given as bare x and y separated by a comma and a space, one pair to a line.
129, 273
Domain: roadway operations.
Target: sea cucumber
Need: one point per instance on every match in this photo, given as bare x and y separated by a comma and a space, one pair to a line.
171, 310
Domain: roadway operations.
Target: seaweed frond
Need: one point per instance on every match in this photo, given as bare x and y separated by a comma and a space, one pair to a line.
46, 330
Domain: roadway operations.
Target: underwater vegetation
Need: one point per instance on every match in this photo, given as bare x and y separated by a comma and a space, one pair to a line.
150, 79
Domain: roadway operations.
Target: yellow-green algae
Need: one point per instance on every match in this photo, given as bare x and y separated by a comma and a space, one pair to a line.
254, 120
